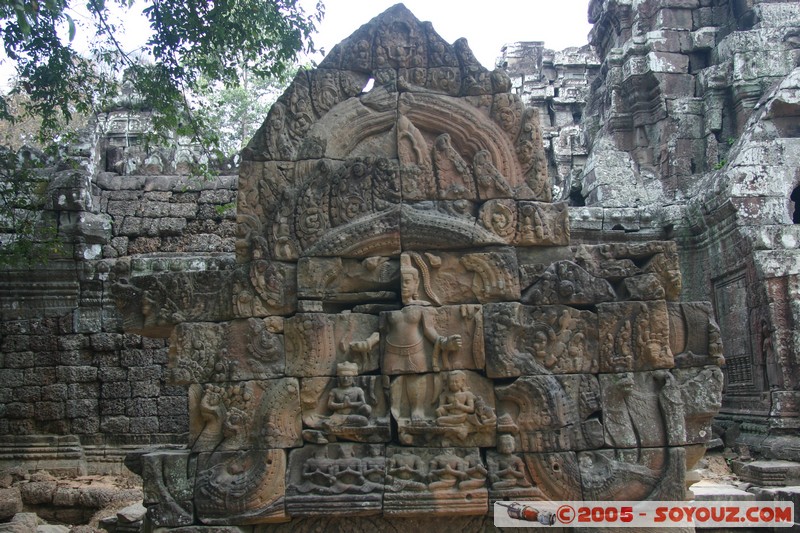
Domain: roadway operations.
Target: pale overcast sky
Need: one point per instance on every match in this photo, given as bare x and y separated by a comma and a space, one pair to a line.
487, 24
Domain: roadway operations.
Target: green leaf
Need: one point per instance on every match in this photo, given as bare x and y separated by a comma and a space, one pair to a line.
22, 21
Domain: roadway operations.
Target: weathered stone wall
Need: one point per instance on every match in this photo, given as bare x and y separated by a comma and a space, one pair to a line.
410, 330
557, 84
66, 367
691, 125
663, 149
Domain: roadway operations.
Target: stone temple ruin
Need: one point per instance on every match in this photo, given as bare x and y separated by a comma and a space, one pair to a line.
411, 331
444, 286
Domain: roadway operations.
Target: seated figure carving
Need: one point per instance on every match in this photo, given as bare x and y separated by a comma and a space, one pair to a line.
510, 471
347, 401
406, 472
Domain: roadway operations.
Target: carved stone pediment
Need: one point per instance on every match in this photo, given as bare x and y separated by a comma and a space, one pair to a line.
413, 328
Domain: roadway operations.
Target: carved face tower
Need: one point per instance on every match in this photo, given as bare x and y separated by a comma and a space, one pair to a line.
408, 235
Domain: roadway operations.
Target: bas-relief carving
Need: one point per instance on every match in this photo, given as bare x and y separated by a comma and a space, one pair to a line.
694, 336
168, 479
650, 473
509, 478
526, 223
650, 409
241, 487
632, 409
316, 343
701, 394
617, 261
153, 305
564, 282
245, 415
400, 260
634, 336
445, 409
459, 278
528, 340
348, 407
342, 478
417, 339
557, 475
263, 288
232, 351
551, 413
434, 481
334, 278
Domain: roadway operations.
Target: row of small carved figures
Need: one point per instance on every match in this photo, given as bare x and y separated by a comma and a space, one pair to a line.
406, 471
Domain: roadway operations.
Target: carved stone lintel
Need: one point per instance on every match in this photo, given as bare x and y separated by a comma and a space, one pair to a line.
454, 278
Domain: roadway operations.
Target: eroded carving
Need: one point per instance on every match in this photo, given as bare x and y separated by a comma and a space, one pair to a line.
343, 478
435, 481
551, 413
241, 487
316, 343
168, 479
460, 278
634, 336
564, 282
454, 408
523, 340
383, 241
349, 407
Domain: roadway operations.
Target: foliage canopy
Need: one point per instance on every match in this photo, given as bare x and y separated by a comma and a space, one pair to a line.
193, 44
